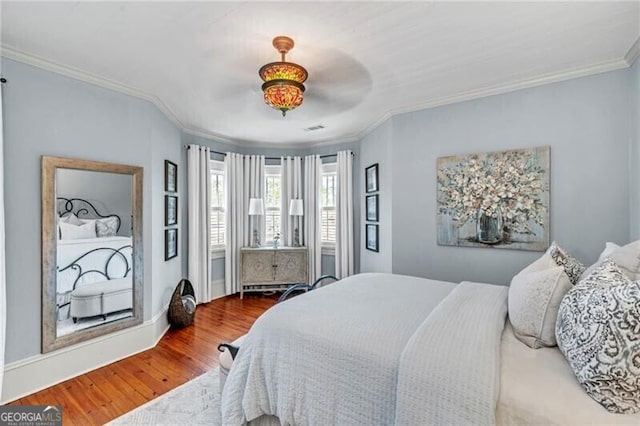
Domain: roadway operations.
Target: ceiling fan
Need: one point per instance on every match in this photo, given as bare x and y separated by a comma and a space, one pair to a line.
337, 85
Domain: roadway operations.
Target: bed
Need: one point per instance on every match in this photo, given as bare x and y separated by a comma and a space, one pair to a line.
93, 275
434, 353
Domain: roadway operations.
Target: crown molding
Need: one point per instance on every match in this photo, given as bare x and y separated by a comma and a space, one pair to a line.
17, 55
515, 86
631, 56
253, 144
634, 53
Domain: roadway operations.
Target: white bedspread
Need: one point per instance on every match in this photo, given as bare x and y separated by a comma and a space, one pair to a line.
449, 371
333, 356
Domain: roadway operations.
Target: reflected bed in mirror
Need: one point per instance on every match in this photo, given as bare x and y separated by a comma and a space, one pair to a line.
93, 282
91, 249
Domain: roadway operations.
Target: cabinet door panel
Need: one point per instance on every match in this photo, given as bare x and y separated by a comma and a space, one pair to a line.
292, 267
257, 267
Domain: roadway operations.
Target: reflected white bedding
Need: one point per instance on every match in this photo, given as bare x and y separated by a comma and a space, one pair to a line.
70, 250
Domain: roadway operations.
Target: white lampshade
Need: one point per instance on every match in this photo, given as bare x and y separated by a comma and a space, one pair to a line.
295, 208
256, 207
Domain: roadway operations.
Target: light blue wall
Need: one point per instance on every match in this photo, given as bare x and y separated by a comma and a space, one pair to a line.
165, 145
585, 121
49, 114
377, 147
634, 157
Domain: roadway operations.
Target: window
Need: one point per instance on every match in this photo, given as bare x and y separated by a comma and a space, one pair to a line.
272, 201
328, 185
217, 205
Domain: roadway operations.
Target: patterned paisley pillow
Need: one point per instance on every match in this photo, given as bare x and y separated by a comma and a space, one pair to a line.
598, 331
107, 227
572, 266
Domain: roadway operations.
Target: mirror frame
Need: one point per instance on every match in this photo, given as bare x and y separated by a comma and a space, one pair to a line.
50, 340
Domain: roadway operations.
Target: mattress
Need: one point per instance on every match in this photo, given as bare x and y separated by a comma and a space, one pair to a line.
537, 387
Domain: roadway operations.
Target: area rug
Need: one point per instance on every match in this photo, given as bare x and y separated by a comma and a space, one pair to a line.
197, 402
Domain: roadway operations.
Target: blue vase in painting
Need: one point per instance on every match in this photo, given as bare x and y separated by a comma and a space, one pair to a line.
489, 227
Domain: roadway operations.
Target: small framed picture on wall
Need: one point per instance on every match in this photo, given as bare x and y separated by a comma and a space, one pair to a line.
371, 178
170, 210
372, 208
170, 176
170, 243
372, 237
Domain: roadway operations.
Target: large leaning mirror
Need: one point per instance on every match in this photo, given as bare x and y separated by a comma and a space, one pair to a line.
91, 249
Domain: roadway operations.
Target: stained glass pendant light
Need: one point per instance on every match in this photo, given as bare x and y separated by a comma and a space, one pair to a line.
282, 85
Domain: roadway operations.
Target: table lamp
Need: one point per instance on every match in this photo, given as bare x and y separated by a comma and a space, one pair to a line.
256, 208
296, 209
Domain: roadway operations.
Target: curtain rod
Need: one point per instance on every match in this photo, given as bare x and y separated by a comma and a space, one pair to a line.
224, 154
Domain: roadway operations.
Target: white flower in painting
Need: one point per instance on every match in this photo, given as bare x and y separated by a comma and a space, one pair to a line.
508, 184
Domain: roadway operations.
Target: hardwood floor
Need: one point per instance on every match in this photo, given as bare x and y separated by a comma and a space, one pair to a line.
181, 355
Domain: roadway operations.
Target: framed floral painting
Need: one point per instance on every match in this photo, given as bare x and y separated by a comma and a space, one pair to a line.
495, 199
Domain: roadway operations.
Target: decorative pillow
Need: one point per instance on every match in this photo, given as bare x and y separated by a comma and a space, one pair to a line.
107, 227
534, 297
572, 266
598, 331
609, 248
72, 219
74, 232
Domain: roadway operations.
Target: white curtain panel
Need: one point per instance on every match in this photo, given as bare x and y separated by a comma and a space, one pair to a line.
244, 179
254, 186
3, 289
312, 231
345, 265
199, 193
291, 189
236, 214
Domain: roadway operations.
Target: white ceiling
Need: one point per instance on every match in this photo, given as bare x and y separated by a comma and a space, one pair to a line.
199, 60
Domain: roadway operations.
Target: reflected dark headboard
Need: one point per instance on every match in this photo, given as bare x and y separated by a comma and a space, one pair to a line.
82, 209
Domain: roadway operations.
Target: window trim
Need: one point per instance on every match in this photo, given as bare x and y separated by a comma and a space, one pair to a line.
218, 251
328, 248
271, 171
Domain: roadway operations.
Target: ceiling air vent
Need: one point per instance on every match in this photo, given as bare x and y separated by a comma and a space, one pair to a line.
313, 128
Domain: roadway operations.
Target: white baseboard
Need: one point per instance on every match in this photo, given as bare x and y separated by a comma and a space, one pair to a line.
38, 372
217, 289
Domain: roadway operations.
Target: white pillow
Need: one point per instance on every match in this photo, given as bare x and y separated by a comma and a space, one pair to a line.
72, 219
626, 257
75, 232
534, 298
88, 221
608, 249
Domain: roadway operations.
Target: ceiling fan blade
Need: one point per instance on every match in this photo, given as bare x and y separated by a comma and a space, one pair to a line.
339, 71
336, 102
237, 97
